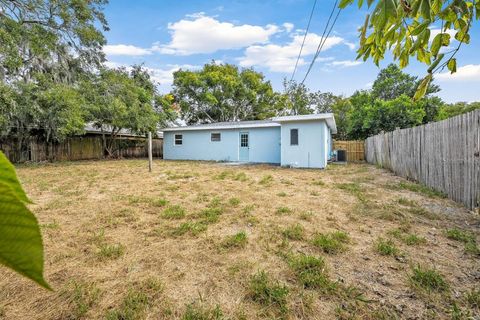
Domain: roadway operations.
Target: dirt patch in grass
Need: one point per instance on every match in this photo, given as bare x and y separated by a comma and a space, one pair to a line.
197, 240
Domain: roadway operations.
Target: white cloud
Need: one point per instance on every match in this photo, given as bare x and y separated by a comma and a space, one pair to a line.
125, 50
282, 58
350, 45
468, 72
345, 63
164, 76
198, 33
288, 26
114, 65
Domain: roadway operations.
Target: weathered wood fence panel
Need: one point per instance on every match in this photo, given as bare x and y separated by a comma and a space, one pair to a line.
79, 148
355, 149
444, 155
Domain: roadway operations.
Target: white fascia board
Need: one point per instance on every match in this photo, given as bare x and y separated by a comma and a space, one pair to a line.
192, 128
304, 117
328, 117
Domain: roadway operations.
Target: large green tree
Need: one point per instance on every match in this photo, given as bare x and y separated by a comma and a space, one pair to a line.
296, 99
406, 28
222, 92
392, 82
117, 100
51, 111
41, 36
324, 101
341, 109
369, 117
455, 109
46, 47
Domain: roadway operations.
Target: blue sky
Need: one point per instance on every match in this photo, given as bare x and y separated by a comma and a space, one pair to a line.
266, 35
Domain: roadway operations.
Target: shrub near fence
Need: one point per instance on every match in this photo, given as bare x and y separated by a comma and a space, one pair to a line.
79, 148
444, 155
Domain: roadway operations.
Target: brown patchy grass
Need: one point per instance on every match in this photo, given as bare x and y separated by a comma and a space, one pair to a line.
125, 243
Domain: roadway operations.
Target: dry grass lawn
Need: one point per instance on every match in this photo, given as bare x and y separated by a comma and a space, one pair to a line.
199, 240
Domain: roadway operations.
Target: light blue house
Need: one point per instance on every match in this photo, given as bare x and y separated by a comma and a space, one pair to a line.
296, 141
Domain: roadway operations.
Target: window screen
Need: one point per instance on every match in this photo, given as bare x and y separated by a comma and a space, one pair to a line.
294, 137
178, 139
215, 137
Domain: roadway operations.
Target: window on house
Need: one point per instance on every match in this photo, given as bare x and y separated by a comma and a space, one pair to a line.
215, 137
244, 140
178, 139
294, 137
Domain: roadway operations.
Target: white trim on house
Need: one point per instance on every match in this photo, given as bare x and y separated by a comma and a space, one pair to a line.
328, 117
273, 122
221, 127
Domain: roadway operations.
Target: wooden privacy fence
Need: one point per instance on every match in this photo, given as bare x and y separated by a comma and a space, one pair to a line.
355, 149
443, 155
79, 148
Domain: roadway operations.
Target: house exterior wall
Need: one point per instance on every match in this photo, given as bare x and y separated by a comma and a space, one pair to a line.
264, 145
312, 148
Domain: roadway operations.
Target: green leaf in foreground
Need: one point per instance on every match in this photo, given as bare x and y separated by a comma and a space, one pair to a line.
21, 245
452, 65
422, 88
9, 178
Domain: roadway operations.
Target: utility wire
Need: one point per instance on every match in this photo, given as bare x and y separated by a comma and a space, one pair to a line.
304, 37
323, 39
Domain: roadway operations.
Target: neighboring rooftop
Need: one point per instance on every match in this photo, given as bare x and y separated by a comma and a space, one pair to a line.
273, 122
90, 128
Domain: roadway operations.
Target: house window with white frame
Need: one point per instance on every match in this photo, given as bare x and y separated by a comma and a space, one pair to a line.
178, 139
215, 136
294, 137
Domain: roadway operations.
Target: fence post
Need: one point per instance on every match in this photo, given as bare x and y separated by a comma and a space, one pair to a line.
150, 152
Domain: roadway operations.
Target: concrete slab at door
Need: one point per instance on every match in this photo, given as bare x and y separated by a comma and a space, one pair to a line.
244, 152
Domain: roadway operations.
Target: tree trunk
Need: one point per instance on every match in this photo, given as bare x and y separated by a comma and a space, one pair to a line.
104, 142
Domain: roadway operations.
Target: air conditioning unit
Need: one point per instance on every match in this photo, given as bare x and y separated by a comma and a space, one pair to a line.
342, 155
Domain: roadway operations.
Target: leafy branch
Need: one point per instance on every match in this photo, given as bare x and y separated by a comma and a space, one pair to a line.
406, 27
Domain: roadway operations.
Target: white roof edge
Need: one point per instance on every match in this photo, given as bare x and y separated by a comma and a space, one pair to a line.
328, 117
222, 127
276, 122
303, 117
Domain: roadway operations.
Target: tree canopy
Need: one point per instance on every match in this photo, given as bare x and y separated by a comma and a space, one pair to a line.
391, 83
222, 92
407, 27
52, 79
371, 116
117, 99
390, 104
296, 99
52, 38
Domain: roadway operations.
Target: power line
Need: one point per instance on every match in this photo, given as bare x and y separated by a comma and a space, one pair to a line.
320, 46
323, 39
304, 37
